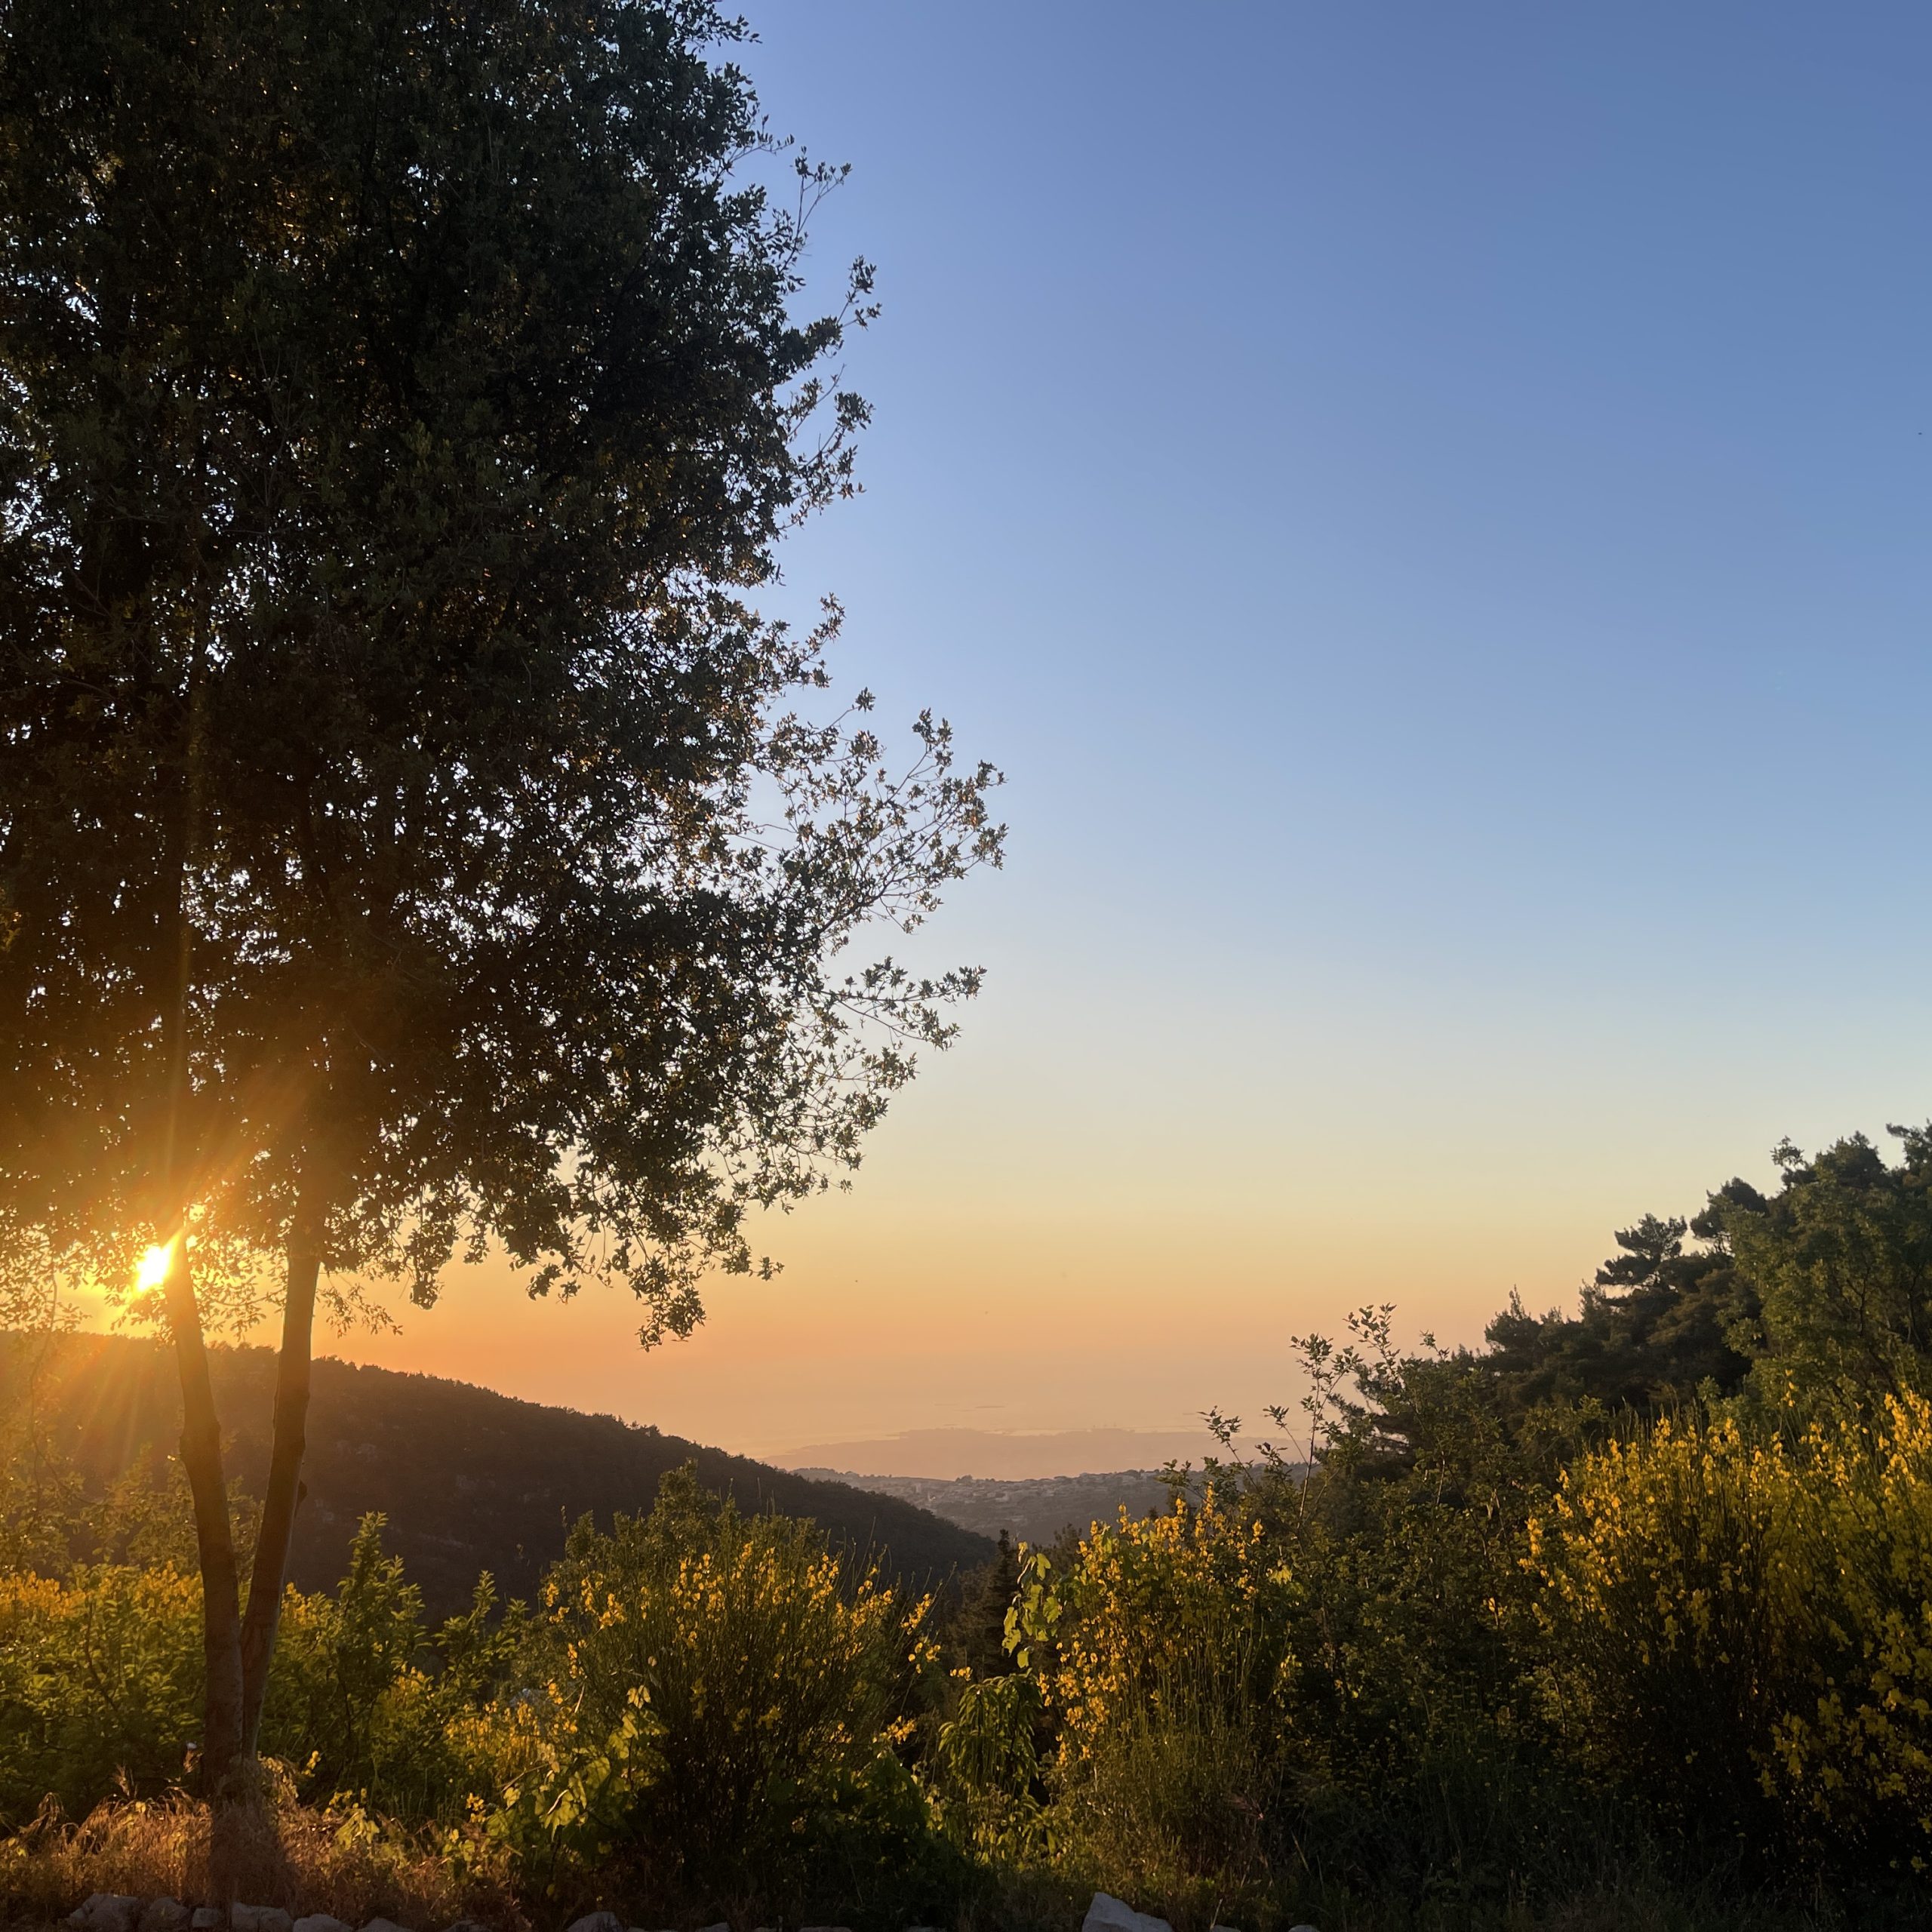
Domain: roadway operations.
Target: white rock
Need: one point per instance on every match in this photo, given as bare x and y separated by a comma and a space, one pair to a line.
107, 1912
598, 1922
112, 1911
321, 1921
260, 1918
206, 1918
1108, 1913
381, 1925
163, 1915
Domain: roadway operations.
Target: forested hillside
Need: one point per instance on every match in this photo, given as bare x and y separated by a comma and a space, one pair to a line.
469, 1479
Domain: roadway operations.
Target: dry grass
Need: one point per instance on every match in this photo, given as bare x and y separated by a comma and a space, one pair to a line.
283, 1853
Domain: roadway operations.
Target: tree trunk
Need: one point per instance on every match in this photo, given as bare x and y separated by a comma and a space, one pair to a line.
201, 1456
200, 1427
284, 1492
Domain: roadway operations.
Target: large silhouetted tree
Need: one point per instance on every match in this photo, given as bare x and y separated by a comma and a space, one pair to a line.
407, 841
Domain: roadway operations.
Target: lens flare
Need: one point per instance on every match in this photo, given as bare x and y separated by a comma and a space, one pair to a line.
153, 1270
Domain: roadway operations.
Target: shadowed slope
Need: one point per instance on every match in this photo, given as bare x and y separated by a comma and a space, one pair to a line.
469, 1479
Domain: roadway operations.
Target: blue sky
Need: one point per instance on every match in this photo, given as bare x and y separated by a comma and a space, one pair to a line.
1431, 492
1429, 505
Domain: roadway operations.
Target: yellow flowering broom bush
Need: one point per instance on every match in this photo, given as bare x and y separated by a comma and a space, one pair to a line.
100, 1684
1741, 1629
1853, 1759
719, 1697
1159, 1652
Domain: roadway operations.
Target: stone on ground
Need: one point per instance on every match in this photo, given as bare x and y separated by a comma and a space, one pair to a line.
1108, 1914
106, 1912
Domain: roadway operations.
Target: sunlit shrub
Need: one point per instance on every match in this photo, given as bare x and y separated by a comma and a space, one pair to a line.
1853, 1758
369, 1707
1161, 1651
986, 1768
1742, 1628
1679, 1598
100, 1689
718, 1701
100, 1684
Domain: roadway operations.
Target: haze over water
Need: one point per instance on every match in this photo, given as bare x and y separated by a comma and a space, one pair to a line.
1429, 507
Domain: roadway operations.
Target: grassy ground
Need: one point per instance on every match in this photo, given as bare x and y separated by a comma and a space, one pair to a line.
347, 1866
305, 1861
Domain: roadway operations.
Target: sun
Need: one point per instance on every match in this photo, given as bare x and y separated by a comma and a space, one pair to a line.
153, 1270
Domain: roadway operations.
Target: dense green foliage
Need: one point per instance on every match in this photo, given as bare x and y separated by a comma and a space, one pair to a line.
1626, 1617
703, 1704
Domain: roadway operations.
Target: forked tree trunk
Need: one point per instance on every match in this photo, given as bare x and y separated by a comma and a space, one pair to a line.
200, 1427
237, 1649
283, 1491
214, 1540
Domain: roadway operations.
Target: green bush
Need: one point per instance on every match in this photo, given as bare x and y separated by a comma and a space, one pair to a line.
718, 1709
1461, 1670
1741, 1629
100, 1684
366, 1706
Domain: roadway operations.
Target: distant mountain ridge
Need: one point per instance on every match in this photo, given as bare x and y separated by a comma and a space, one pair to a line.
1014, 1455
470, 1480
1034, 1510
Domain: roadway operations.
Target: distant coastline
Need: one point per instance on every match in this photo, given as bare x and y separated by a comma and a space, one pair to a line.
1009, 1455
